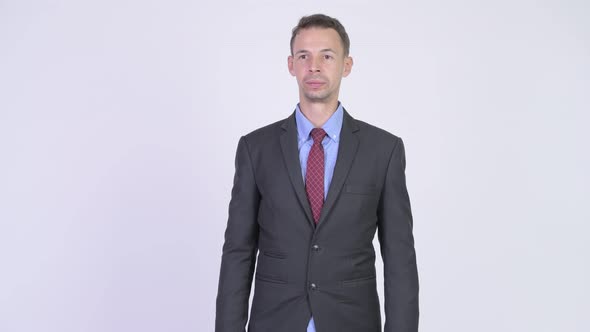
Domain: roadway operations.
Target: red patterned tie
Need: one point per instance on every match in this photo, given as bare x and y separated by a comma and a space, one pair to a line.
314, 176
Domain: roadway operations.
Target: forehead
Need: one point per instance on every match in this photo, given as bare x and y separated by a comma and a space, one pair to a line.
314, 39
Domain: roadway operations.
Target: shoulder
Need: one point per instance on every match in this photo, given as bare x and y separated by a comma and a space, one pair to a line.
380, 142
267, 133
375, 131
373, 135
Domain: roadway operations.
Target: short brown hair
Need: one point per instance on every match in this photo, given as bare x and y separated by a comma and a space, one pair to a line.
322, 21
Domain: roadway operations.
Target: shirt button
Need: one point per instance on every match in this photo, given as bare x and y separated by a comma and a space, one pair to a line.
313, 286
316, 247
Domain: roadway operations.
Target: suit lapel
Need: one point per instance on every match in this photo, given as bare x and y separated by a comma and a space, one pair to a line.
346, 152
291, 157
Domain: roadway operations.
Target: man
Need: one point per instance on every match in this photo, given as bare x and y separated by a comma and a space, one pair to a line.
309, 193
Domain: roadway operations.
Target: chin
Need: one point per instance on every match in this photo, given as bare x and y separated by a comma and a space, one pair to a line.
317, 96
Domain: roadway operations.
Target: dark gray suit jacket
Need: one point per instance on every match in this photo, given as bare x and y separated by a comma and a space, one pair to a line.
326, 270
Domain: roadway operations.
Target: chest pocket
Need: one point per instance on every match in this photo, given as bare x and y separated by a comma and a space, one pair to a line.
360, 189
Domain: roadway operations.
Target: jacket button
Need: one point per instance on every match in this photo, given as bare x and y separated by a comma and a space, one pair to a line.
313, 286
316, 247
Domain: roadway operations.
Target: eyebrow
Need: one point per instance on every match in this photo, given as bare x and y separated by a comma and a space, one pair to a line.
322, 50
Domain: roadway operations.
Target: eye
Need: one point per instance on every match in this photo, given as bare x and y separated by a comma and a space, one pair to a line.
327, 57
303, 56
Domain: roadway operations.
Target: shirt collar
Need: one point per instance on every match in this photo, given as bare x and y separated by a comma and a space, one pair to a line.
332, 127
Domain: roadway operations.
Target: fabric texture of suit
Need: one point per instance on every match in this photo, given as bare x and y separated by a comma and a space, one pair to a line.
326, 269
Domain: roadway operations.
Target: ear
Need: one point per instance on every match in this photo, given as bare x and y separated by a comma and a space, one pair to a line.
290, 65
348, 62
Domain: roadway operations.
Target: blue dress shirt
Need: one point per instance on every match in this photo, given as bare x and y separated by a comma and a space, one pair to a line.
330, 143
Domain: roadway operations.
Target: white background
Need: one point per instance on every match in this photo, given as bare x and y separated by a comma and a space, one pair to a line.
119, 122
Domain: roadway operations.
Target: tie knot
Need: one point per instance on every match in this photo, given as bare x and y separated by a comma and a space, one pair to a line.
318, 135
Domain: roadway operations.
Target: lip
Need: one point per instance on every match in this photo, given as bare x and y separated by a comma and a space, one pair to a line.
315, 83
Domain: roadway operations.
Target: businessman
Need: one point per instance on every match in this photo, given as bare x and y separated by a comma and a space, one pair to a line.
309, 194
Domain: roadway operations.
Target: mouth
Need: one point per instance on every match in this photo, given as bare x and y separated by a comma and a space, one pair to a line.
314, 84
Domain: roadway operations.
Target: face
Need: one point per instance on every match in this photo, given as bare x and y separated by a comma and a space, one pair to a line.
318, 63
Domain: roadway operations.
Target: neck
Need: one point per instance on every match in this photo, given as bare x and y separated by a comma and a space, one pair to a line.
318, 112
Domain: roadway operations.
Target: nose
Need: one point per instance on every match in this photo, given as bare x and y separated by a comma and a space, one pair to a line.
314, 65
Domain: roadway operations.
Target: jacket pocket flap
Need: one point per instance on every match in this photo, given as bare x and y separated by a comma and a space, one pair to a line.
274, 254
360, 189
269, 278
358, 281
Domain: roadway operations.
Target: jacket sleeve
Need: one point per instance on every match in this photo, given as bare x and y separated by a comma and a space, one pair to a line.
397, 247
240, 247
